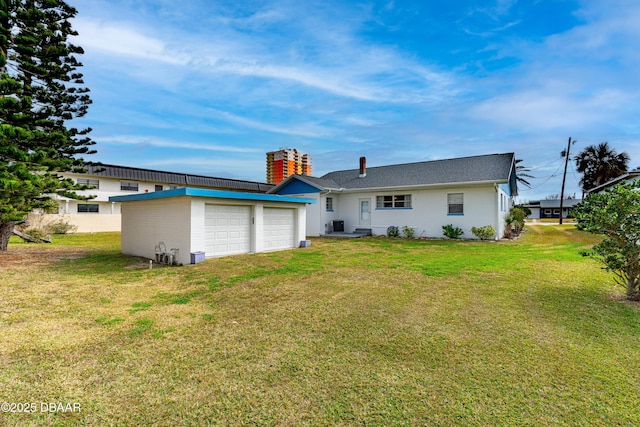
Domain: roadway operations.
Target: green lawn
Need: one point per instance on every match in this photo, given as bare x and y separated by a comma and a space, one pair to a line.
346, 332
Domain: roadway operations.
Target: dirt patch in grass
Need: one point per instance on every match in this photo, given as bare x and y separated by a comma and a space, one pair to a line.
40, 255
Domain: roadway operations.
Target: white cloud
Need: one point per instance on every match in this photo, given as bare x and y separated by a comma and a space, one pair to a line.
342, 65
308, 129
138, 140
121, 40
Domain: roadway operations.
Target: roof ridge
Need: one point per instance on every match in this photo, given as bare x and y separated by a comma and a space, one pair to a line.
98, 165
423, 161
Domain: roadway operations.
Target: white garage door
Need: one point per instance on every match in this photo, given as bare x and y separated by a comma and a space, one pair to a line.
227, 229
279, 228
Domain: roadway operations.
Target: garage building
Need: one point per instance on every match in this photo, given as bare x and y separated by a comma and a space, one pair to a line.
216, 223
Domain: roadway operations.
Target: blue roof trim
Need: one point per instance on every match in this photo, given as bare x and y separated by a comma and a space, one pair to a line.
297, 187
214, 194
507, 189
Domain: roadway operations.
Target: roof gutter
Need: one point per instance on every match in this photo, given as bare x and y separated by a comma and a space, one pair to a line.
418, 186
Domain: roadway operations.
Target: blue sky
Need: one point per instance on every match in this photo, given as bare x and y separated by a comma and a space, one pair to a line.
206, 86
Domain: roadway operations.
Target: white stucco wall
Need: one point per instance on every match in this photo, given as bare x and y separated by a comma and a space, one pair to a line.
147, 222
427, 215
180, 222
86, 223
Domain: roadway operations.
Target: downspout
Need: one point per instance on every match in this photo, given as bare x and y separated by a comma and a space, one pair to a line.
498, 211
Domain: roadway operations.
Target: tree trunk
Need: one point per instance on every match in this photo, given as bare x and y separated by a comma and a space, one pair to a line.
6, 228
632, 289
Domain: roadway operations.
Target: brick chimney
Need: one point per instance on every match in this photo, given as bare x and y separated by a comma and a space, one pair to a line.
363, 167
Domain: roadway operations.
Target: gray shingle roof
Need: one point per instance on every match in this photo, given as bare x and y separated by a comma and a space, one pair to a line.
566, 203
486, 168
319, 182
181, 179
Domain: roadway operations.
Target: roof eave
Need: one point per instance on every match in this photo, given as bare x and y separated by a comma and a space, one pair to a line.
217, 194
419, 186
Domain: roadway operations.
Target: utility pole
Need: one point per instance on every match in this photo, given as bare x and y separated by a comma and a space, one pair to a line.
564, 177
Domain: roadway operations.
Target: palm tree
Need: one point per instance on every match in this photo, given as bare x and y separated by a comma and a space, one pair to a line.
599, 164
521, 174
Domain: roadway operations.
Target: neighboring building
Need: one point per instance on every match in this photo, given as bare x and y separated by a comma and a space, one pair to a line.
464, 192
284, 163
541, 209
100, 214
188, 222
627, 177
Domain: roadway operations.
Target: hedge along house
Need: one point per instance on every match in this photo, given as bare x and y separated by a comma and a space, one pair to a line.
464, 192
218, 223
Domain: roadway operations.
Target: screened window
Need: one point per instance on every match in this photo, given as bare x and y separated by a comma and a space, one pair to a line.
159, 188
455, 202
329, 204
401, 201
88, 208
91, 182
128, 186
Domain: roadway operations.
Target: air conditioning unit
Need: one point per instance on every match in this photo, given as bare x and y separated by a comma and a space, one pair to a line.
338, 225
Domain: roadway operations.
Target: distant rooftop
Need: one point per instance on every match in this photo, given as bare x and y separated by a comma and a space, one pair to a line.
176, 178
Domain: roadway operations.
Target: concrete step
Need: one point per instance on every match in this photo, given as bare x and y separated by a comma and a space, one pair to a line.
363, 231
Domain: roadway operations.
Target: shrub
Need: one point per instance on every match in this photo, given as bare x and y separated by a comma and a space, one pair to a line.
614, 215
408, 232
36, 233
508, 221
518, 215
484, 233
452, 232
514, 222
393, 231
61, 226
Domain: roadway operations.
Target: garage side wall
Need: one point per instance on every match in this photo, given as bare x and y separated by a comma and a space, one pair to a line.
145, 223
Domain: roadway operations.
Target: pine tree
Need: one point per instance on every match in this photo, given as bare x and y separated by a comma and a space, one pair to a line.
40, 92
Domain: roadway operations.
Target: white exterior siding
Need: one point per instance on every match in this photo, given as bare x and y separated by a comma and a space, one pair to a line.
197, 224
146, 223
108, 217
427, 215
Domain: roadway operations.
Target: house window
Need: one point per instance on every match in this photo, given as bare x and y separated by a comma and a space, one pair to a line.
128, 186
455, 201
90, 182
88, 208
173, 187
329, 204
547, 211
159, 188
401, 201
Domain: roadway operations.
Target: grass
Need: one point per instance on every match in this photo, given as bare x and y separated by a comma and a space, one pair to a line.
370, 331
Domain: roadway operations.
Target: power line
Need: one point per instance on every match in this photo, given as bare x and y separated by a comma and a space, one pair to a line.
544, 182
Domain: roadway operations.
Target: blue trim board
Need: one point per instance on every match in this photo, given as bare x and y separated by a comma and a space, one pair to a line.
506, 188
213, 194
296, 186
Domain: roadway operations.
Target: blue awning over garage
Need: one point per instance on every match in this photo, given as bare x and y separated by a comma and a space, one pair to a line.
202, 192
